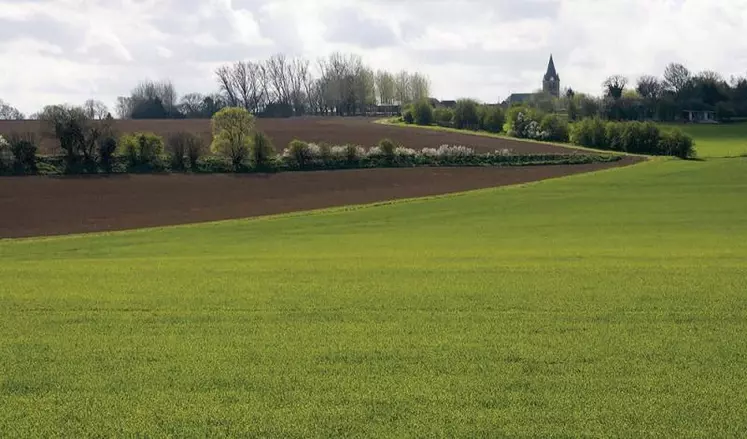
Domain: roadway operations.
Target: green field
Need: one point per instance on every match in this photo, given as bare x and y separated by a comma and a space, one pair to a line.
606, 304
723, 140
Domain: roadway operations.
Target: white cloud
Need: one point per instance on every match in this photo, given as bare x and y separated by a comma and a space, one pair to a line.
68, 50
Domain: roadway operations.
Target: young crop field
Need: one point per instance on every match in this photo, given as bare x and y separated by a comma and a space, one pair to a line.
594, 305
722, 140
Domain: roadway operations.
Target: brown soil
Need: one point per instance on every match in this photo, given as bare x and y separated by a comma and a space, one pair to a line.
33, 206
333, 130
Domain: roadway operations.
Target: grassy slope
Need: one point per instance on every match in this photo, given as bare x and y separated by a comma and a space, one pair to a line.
601, 304
725, 140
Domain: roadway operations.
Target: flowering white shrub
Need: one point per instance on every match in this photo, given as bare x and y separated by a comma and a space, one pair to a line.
429, 152
533, 131
455, 151
448, 152
502, 152
374, 151
401, 151
527, 128
315, 151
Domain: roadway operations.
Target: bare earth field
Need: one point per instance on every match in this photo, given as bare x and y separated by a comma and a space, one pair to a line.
334, 130
34, 206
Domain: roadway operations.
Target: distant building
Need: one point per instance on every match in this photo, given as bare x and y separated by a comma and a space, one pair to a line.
550, 85
699, 116
551, 81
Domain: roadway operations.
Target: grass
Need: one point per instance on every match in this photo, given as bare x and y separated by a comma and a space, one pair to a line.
722, 140
605, 304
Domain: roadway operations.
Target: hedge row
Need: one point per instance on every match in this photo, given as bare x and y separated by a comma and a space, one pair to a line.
467, 114
525, 122
632, 137
144, 153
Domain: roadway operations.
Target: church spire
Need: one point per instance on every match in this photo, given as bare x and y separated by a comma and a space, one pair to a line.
551, 81
551, 72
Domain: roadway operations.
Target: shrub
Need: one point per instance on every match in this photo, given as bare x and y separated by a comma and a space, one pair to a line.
185, 149
408, 117
676, 143
107, 148
299, 153
589, 132
555, 128
639, 137
492, 119
195, 150
23, 150
78, 135
524, 122
348, 153
213, 164
262, 150
453, 152
443, 116
614, 136
386, 148
423, 112
232, 130
177, 145
322, 151
465, 114
142, 149
6, 155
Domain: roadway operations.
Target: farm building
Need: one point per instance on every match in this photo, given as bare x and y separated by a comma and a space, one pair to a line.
699, 116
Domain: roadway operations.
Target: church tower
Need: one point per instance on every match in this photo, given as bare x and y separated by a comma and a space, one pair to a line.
551, 81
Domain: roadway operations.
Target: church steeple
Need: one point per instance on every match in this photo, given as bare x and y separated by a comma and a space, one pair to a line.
551, 81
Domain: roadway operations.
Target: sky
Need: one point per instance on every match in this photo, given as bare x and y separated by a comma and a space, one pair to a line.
67, 51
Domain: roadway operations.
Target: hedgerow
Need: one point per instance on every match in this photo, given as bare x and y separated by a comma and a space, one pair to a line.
18, 153
143, 152
631, 137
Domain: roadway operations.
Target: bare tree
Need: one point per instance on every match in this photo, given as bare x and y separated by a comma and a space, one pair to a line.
8, 112
243, 84
615, 86
125, 106
225, 83
191, 105
149, 99
402, 88
385, 87
420, 86
649, 87
711, 76
676, 77
298, 74
341, 84
277, 73
364, 87
95, 109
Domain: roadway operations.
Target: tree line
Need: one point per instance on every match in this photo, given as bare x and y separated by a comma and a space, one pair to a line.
650, 97
342, 84
280, 86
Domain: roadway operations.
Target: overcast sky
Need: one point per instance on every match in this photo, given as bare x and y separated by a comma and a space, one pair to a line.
65, 51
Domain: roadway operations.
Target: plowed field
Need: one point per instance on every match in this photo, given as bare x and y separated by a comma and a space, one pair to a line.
334, 130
